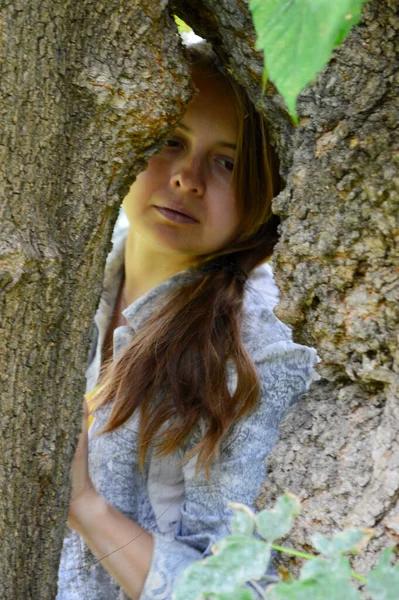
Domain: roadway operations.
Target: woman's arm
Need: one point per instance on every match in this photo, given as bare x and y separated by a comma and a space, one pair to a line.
124, 548
149, 566
236, 476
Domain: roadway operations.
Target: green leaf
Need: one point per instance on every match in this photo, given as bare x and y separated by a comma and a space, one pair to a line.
320, 579
313, 590
237, 559
383, 580
248, 557
339, 567
276, 523
243, 520
351, 19
181, 25
297, 590
298, 36
240, 594
349, 540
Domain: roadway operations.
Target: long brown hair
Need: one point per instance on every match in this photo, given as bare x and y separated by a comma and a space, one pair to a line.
174, 369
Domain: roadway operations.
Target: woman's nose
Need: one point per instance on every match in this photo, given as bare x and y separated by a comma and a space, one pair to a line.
188, 178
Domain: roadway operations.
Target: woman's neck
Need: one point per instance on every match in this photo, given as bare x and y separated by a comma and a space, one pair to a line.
145, 267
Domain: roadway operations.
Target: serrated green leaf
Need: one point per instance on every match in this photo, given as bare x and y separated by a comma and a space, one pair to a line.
339, 567
243, 520
342, 542
276, 523
248, 557
298, 36
237, 559
320, 579
321, 543
383, 580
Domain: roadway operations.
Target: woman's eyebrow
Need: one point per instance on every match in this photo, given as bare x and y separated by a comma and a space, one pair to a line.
221, 143
227, 145
183, 126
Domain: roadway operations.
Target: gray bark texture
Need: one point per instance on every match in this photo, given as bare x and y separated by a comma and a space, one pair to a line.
336, 266
337, 270
87, 90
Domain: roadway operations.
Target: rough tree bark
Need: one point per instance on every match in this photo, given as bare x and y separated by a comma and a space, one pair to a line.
87, 89
337, 269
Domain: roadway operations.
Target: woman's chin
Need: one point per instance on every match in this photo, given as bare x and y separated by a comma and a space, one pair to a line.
169, 239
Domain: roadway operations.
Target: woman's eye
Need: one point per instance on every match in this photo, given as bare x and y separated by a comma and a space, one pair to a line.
227, 163
172, 143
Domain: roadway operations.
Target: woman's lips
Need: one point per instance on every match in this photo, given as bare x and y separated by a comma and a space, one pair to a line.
175, 216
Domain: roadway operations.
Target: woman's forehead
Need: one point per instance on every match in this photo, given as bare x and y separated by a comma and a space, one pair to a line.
213, 105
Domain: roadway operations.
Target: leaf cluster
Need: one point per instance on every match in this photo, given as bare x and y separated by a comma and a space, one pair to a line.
239, 565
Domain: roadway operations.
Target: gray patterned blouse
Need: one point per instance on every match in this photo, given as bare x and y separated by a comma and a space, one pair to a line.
185, 513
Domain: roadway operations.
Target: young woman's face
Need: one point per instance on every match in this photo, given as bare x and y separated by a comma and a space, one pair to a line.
184, 202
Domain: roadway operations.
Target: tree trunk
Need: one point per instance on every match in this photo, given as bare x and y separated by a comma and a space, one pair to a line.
335, 267
337, 270
86, 90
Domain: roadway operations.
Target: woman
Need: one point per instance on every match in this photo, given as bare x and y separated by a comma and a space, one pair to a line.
202, 371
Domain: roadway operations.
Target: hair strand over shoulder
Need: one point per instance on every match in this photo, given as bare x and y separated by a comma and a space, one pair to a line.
174, 370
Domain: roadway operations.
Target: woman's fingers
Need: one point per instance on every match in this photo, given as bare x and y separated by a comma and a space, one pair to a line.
79, 471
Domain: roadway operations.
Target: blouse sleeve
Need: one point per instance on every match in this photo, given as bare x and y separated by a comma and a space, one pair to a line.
285, 373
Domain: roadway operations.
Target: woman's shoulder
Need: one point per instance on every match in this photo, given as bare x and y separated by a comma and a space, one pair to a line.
260, 326
261, 284
263, 334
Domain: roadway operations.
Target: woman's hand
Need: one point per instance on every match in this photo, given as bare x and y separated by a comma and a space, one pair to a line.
83, 491
106, 531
